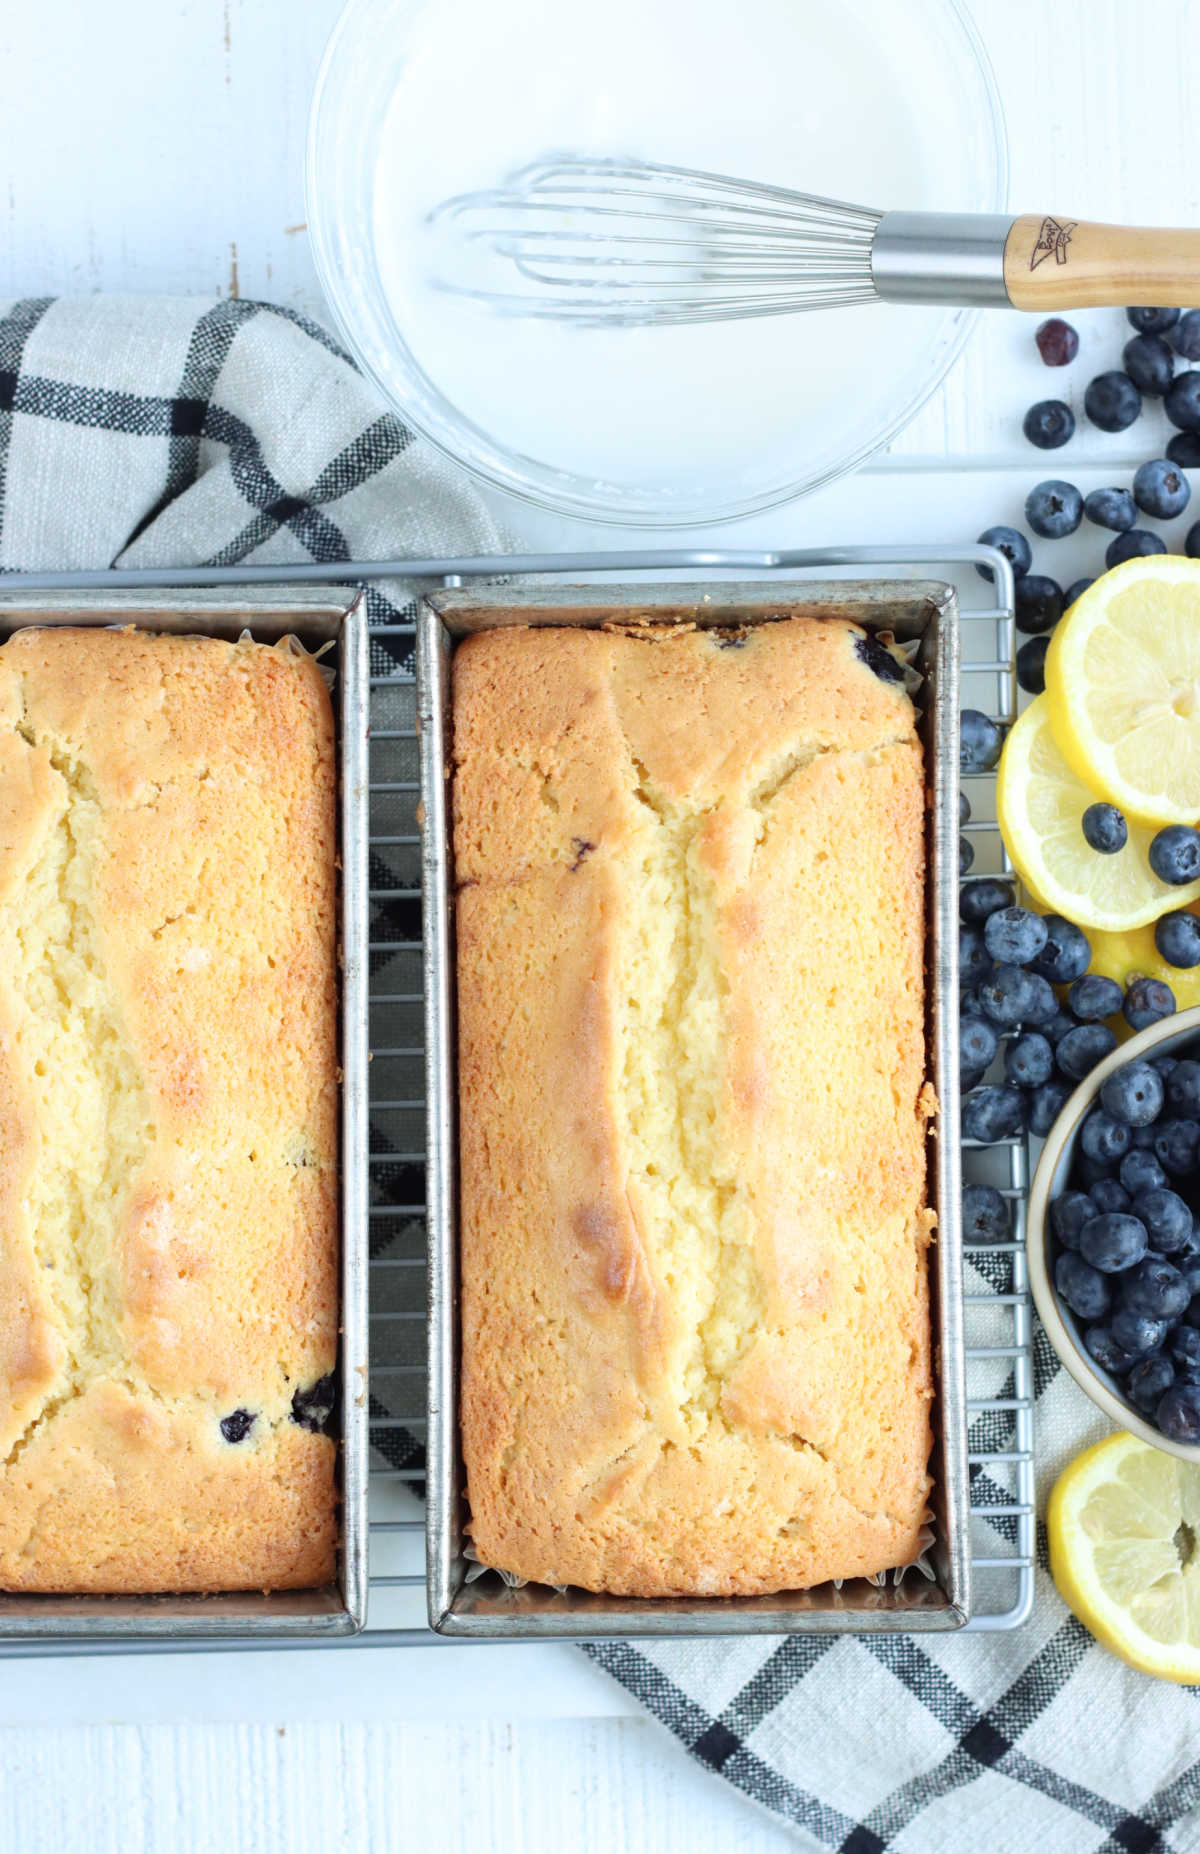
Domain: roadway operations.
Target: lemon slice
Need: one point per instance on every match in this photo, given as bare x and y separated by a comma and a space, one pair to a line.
1040, 803
1124, 1531
1123, 681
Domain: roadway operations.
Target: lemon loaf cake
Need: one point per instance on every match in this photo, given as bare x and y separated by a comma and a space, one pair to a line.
690, 917
168, 1115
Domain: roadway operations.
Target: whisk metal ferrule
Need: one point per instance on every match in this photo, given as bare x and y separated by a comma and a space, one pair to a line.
941, 257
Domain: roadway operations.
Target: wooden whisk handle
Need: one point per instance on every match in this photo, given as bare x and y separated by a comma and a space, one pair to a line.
1051, 262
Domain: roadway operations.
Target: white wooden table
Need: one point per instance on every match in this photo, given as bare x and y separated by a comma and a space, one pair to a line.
156, 145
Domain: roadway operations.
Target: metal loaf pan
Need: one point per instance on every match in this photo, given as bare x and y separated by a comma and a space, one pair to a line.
339, 1608
927, 613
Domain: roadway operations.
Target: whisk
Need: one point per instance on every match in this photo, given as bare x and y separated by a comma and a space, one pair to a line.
625, 242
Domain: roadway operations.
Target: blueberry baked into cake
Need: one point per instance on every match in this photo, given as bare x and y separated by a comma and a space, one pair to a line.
690, 916
168, 1097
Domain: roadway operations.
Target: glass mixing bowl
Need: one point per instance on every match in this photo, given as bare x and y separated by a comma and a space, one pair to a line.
419, 99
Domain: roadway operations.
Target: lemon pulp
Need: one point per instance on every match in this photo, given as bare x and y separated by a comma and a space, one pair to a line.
1124, 1532
1123, 688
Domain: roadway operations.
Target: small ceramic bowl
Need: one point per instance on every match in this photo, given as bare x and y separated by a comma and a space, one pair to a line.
1171, 1037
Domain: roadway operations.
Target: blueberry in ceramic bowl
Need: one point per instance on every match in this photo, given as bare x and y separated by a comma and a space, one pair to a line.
1117, 1283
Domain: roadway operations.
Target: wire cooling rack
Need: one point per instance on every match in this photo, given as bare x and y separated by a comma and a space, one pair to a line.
999, 1319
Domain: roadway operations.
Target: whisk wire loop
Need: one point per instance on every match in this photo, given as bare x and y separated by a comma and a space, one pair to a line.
625, 242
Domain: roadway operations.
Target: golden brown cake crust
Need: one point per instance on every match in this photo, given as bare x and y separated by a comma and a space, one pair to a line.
168, 1113
690, 914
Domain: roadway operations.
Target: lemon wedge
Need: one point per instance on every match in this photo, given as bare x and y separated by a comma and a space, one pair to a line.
1040, 803
1124, 1531
1123, 683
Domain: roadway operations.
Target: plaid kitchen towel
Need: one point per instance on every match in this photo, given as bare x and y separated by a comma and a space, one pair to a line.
144, 431
165, 432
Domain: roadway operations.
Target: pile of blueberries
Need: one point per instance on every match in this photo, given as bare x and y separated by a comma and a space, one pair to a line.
1010, 960
1126, 1247
1160, 488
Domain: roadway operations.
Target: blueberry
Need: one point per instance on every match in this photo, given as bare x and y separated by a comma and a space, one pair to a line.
1182, 402
1177, 938
966, 855
981, 741
1039, 603
1065, 954
992, 1114
1133, 1095
1104, 829
1031, 665
868, 648
1094, 997
1055, 1028
1184, 449
1091, 1172
1057, 342
1054, 509
1178, 1413
1007, 995
313, 1406
1084, 1288
1188, 1264
1154, 1287
1186, 336
1045, 1105
1068, 1214
1149, 363
1102, 1138
1014, 936
1153, 321
985, 1215
1191, 541
1175, 1143
1106, 1353
1012, 544
1076, 590
964, 810
1029, 1060
983, 897
1167, 1218
1184, 1348
1134, 1333
1164, 1065
1161, 489
1175, 854
1108, 1196
1183, 1089
1080, 1050
1112, 401
237, 1425
1143, 1139
1148, 1381
1141, 1171
1113, 1242
1133, 546
1050, 423
1042, 1006
977, 1044
1147, 1002
1111, 508
974, 960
